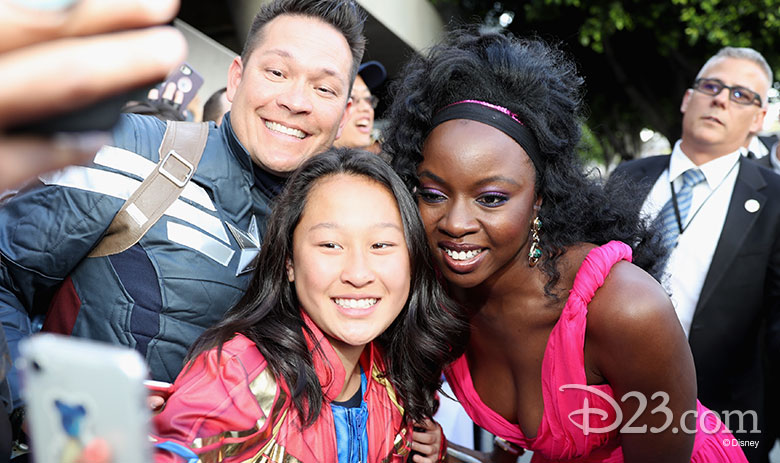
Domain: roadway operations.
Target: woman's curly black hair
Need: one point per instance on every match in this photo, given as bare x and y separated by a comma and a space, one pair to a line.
540, 84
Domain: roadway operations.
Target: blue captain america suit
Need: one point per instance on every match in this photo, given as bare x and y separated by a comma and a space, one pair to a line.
160, 294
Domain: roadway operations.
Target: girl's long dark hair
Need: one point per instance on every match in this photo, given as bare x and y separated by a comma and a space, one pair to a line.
540, 84
416, 345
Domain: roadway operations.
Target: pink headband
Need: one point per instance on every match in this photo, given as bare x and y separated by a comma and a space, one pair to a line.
497, 117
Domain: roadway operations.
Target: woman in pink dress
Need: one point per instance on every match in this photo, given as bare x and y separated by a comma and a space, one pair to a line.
575, 352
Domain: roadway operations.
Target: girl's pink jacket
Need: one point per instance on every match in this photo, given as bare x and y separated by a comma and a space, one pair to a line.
231, 408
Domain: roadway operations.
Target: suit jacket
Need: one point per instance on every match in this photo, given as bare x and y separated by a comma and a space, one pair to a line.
739, 305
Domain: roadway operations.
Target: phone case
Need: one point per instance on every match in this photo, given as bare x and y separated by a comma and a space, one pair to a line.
187, 80
76, 391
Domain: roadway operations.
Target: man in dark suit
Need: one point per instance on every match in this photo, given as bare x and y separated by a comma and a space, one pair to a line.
720, 214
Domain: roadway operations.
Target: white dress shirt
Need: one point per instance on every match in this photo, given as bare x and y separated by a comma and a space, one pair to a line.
690, 261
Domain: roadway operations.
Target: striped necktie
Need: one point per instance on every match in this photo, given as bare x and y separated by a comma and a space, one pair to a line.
669, 225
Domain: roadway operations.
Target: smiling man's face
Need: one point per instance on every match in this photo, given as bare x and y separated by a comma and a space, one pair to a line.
289, 97
716, 124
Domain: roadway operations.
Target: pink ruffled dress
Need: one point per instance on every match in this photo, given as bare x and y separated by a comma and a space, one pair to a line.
559, 439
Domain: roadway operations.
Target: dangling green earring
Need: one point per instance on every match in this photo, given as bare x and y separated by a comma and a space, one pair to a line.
535, 252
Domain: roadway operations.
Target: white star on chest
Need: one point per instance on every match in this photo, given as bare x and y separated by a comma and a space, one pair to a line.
249, 242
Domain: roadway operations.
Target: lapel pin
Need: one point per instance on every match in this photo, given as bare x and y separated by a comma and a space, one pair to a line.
751, 205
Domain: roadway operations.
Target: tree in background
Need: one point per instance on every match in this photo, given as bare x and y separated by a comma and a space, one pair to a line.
638, 57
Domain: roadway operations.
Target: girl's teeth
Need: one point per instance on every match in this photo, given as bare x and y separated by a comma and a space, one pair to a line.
356, 303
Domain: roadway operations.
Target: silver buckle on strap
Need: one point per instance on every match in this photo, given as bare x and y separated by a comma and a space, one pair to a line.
170, 176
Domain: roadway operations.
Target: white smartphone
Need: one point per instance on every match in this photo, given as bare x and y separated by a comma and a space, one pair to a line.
77, 391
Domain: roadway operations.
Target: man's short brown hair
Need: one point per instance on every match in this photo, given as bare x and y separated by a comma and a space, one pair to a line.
344, 15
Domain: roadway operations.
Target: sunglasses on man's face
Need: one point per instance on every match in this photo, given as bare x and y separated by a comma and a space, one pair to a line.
737, 94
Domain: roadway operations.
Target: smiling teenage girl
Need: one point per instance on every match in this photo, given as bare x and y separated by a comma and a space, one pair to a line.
338, 344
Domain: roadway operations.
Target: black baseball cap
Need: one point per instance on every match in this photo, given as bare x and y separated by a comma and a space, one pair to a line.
372, 73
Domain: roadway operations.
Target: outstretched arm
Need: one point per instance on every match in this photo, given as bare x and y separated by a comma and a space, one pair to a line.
53, 61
